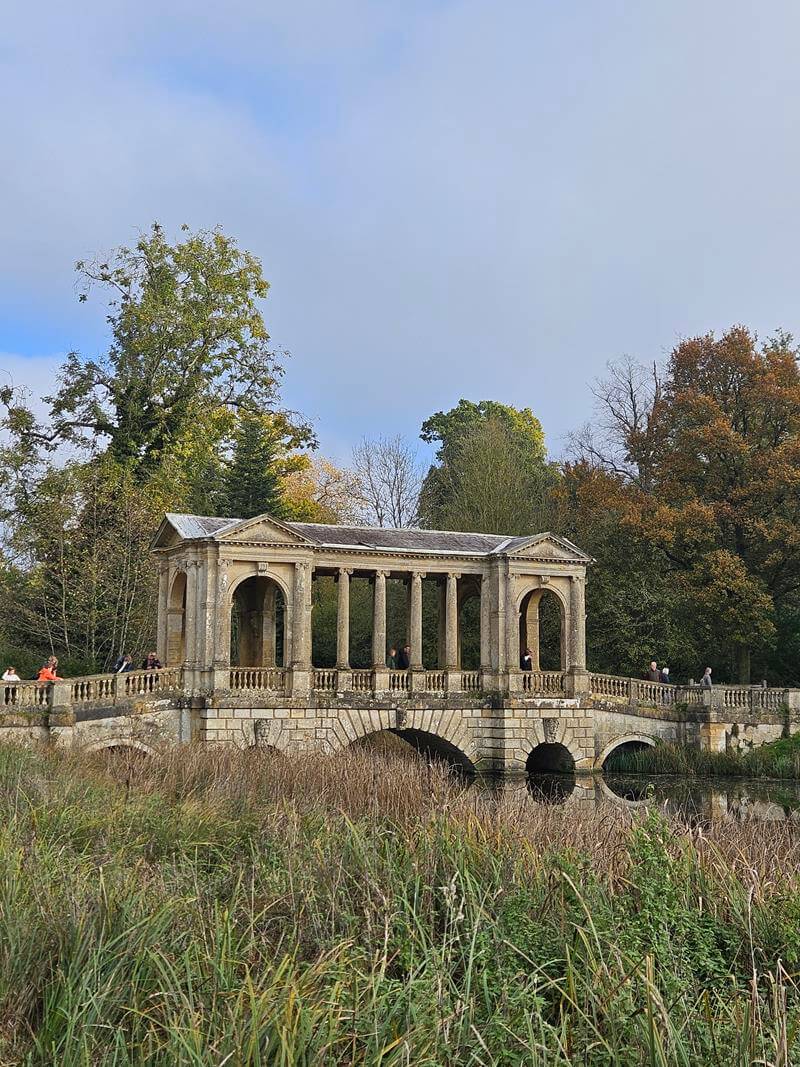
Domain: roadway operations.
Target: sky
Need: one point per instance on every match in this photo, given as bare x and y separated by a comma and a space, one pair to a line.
451, 198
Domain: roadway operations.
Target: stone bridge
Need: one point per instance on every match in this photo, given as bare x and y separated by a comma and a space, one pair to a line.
235, 629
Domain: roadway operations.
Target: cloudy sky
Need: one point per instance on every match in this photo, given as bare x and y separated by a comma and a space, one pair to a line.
480, 198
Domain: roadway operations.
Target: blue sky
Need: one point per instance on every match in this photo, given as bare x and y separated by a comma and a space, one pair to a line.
452, 198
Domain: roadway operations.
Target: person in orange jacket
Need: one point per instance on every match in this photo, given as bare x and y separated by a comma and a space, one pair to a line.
48, 673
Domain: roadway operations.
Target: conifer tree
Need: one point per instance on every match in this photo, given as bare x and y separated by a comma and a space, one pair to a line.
252, 482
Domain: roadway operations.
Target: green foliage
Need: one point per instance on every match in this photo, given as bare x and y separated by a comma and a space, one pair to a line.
776, 759
491, 475
252, 486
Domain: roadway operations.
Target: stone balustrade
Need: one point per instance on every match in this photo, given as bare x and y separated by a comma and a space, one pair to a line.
91, 689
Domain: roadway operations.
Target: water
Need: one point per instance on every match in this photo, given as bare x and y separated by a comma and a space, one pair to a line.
703, 798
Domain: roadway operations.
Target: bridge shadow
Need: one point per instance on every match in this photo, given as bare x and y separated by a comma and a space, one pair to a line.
417, 743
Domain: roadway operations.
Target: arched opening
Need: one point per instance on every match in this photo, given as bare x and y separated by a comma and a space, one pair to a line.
258, 624
542, 631
551, 773
621, 758
405, 743
176, 621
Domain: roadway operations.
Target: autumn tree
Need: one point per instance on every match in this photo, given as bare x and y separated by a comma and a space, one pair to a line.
714, 483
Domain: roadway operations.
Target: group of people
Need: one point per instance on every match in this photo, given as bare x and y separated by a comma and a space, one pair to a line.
656, 674
49, 671
399, 659
124, 664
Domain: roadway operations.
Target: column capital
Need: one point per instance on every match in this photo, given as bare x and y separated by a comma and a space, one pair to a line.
345, 570
382, 574
418, 575
454, 574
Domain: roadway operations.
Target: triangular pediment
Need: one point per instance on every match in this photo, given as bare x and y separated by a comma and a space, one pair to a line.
262, 529
546, 547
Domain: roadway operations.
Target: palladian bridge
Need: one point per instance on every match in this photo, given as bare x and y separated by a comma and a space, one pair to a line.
235, 637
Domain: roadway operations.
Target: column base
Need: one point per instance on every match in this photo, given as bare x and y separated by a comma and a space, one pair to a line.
380, 679
576, 682
301, 682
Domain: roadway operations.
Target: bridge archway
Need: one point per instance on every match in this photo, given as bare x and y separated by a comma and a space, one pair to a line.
543, 629
551, 773
120, 745
176, 621
427, 745
259, 631
621, 745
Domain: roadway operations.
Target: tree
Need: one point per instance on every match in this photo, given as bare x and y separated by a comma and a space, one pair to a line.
491, 472
319, 491
252, 485
389, 479
186, 331
715, 487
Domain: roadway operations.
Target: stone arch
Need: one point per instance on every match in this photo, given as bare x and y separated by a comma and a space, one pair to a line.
637, 740
176, 620
445, 725
618, 798
550, 757
549, 731
119, 742
258, 611
529, 613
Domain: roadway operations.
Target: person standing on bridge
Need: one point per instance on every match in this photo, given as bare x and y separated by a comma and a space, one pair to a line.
653, 675
10, 675
123, 665
49, 673
404, 658
391, 659
526, 660
151, 662
664, 676
706, 679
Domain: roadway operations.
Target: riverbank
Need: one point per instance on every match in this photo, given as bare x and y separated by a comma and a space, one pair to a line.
778, 759
209, 906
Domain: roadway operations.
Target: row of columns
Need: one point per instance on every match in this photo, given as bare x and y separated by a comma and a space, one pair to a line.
379, 647
196, 627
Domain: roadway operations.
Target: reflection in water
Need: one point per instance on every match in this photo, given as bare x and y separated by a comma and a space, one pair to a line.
706, 798
551, 788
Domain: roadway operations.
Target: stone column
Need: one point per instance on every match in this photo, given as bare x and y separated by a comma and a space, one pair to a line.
343, 620
415, 620
578, 676
163, 610
485, 624
190, 617
379, 620
532, 628
301, 629
508, 590
201, 617
451, 623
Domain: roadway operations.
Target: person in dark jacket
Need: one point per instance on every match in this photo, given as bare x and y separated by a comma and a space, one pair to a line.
653, 675
404, 658
706, 679
391, 659
123, 665
151, 662
526, 660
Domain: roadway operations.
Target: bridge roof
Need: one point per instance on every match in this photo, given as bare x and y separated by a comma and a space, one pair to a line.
329, 535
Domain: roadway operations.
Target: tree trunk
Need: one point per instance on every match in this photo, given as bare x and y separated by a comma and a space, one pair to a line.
743, 664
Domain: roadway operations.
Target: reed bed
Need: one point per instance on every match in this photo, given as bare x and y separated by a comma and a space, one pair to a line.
214, 907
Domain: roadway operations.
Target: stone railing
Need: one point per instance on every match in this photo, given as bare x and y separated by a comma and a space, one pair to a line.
549, 683
750, 697
28, 696
91, 689
324, 681
471, 681
435, 681
632, 690
362, 681
399, 681
271, 679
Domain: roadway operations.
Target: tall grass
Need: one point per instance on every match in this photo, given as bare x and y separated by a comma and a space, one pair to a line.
210, 907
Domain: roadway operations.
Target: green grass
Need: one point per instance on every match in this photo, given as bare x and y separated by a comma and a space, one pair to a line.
207, 907
778, 759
